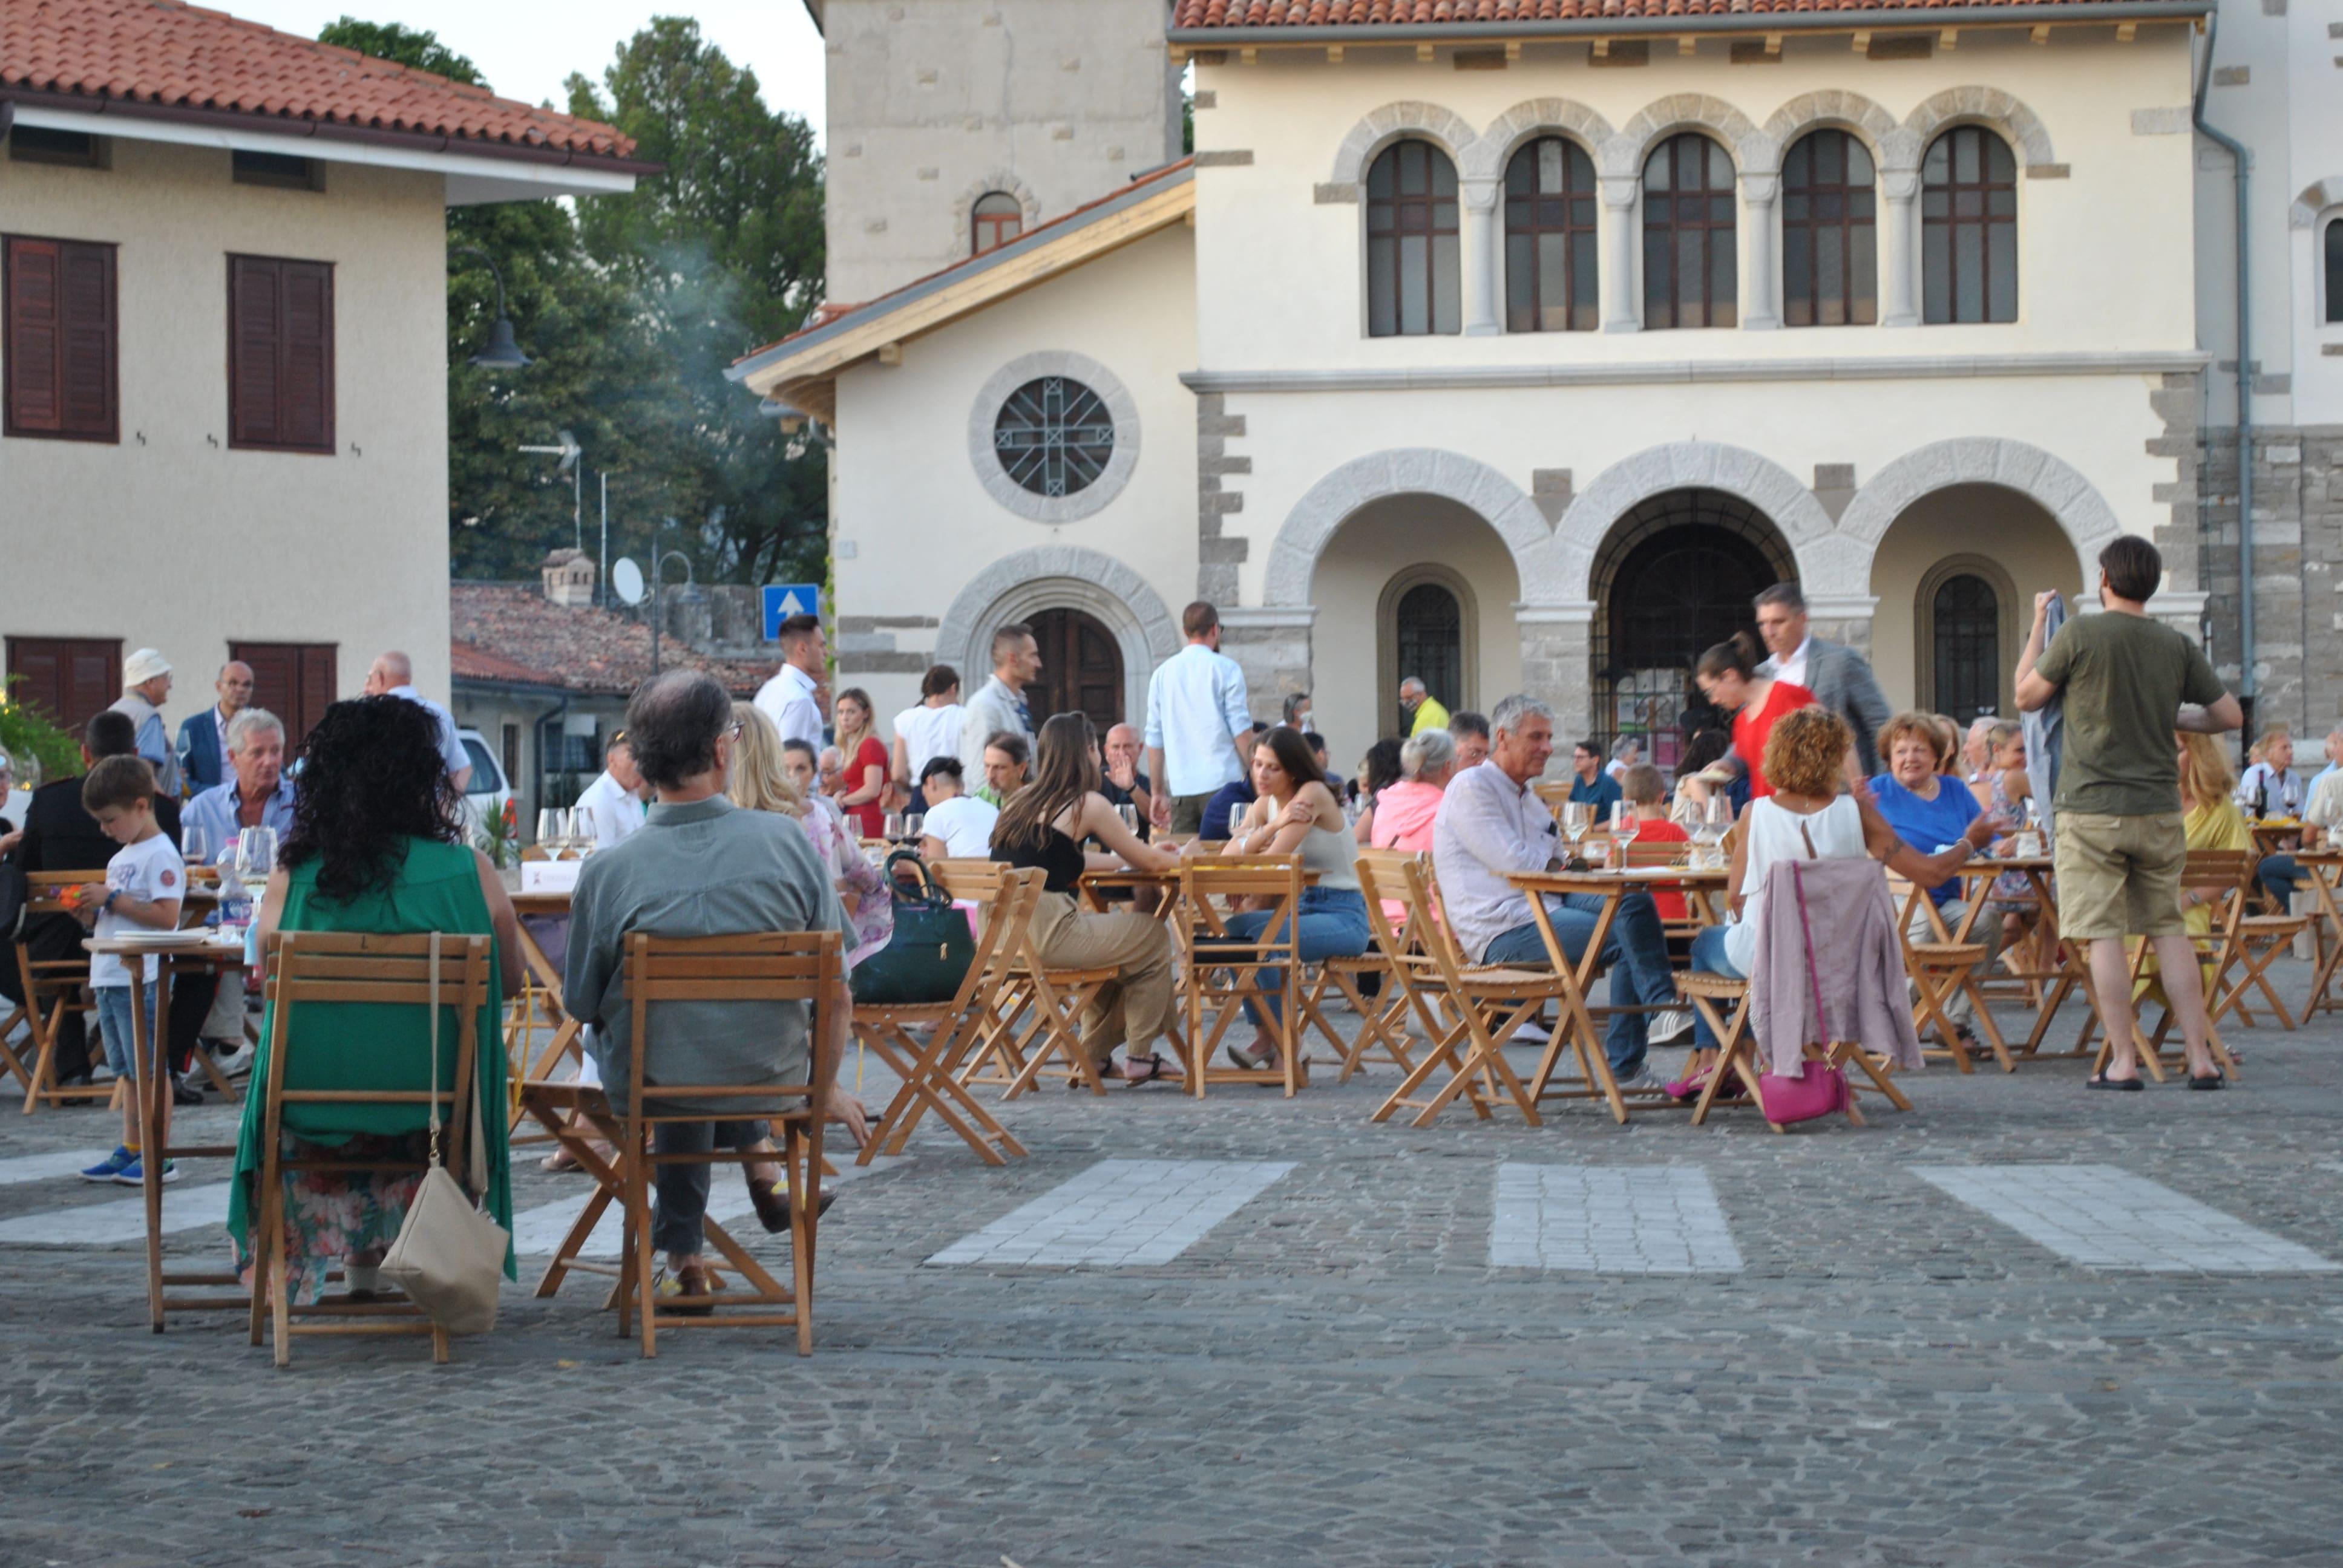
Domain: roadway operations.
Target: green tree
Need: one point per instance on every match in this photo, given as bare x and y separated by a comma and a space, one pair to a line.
401, 45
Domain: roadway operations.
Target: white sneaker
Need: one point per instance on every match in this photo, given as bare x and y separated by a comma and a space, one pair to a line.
1670, 1026
1532, 1033
1643, 1083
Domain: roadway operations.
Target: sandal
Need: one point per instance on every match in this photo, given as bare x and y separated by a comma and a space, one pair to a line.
1249, 1061
2101, 1080
1156, 1067
559, 1159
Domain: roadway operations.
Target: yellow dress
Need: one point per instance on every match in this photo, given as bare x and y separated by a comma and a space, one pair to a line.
2216, 825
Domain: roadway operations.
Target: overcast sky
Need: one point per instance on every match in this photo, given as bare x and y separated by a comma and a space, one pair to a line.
527, 48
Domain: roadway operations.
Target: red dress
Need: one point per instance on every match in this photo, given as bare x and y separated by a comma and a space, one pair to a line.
869, 819
1751, 727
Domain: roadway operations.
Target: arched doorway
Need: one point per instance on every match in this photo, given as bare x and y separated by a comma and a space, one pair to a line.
1082, 669
1675, 575
1950, 621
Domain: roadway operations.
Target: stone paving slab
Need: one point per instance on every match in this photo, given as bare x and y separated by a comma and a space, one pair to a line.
2105, 1218
1331, 1376
1118, 1214
1609, 1220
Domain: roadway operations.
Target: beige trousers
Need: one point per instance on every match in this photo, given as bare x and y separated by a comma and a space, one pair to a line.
1130, 1010
1988, 931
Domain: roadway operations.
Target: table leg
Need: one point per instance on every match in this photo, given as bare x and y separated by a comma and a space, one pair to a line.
148, 1089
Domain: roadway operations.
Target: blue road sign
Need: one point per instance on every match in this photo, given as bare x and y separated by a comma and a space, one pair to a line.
783, 600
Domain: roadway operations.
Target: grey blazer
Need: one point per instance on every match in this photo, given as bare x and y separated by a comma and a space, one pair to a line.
1841, 681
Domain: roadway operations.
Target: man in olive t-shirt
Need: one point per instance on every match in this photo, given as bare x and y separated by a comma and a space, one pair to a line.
2127, 684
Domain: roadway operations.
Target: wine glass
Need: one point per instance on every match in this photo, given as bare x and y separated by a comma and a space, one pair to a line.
255, 858
915, 824
1624, 826
1716, 823
1577, 819
1130, 815
549, 830
892, 828
195, 845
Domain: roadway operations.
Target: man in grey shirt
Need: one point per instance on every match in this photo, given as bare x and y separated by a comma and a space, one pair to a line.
699, 866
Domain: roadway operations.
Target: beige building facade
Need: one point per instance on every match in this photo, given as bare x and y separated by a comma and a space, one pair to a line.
1520, 355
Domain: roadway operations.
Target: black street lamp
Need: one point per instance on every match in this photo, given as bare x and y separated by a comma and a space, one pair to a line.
502, 352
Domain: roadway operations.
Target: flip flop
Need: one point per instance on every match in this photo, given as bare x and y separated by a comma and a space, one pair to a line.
2101, 1080
2219, 1079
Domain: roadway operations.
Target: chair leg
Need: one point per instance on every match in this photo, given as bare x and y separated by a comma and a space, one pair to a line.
639, 1213
804, 1217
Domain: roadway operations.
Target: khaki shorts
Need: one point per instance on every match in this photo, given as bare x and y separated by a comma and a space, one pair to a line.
2120, 876
1188, 811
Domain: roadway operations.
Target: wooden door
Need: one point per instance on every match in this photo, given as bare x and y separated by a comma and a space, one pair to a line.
294, 681
1082, 669
70, 679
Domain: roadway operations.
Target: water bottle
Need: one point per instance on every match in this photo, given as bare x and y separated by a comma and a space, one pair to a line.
234, 898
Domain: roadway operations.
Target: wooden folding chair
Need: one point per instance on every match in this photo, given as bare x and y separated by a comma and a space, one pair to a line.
1383, 1017
1942, 968
2256, 943
805, 967
308, 971
1005, 900
1033, 1014
52, 986
2230, 870
1468, 1010
1224, 972
1736, 1063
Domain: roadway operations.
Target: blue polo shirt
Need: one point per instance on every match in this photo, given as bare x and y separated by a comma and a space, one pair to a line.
1603, 794
1927, 826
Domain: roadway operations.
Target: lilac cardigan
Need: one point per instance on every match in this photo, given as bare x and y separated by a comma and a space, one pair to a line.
1860, 962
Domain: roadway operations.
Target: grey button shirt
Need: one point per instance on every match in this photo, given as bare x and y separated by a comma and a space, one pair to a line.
700, 869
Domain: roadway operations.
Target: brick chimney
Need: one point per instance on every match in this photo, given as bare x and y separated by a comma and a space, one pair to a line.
568, 577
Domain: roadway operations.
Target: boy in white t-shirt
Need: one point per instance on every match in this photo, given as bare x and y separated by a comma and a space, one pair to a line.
145, 884
956, 825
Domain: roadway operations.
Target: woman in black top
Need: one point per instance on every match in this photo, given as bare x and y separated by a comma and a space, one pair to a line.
1043, 825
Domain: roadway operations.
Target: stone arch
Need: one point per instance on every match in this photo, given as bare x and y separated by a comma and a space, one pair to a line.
1689, 466
964, 209
1982, 106
1490, 151
1408, 470
1442, 128
1754, 152
1048, 576
1891, 145
2315, 199
2083, 513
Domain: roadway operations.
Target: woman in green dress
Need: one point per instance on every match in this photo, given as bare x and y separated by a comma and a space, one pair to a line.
376, 845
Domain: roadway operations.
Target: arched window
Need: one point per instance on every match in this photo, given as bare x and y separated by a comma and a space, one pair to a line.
1969, 229
1830, 256
2334, 270
1428, 636
1550, 239
1689, 278
1412, 270
999, 218
1965, 617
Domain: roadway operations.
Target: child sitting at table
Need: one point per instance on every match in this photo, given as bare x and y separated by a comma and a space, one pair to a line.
144, 882
1643, 791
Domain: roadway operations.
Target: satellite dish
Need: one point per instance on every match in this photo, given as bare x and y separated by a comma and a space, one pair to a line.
628, 578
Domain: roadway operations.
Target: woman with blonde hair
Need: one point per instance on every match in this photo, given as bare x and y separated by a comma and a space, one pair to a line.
2209, 819
862, 768
761, 780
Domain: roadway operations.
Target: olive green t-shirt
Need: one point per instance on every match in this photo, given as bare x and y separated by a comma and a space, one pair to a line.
2124, 679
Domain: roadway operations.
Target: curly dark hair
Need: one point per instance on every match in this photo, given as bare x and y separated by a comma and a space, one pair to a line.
371, 778
1380, 769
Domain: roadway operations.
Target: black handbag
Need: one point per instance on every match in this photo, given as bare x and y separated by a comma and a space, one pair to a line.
929, 953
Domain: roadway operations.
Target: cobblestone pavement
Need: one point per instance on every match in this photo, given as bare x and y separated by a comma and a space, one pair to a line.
1326, 1367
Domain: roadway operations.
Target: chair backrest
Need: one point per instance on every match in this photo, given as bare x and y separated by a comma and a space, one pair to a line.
1642, 854
307, 1067
46, 891
1910, 898
2231, 871
1004, 898
1274, 883
806, 966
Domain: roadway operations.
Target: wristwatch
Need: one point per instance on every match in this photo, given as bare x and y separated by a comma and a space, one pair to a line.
111, 894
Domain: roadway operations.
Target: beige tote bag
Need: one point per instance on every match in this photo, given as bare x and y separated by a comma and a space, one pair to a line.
449, 1256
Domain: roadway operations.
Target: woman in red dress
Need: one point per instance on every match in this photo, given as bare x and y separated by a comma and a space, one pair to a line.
862, 781
1727, 676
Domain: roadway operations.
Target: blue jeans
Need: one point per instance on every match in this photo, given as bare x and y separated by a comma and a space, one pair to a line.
1332, 924
1636, 951
1708, 958
2279, 875
114, 1021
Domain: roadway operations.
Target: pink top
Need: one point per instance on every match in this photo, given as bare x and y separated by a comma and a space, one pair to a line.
1404, 814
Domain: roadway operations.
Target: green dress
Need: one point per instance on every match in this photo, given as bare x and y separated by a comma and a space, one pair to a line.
352, 1045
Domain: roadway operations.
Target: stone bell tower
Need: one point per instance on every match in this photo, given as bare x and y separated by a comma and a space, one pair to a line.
935, 105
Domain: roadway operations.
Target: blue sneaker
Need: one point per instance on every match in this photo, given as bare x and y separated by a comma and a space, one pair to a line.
112, 1167
135, 1174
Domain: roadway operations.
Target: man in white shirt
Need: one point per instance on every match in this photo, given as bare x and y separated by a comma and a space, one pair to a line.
1195, 713
1491, 825
2269, 785
790, 698
930, 729
999, 703
615, 802
956, 824
392, 674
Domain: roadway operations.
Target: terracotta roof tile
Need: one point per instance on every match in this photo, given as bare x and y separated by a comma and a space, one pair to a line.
1245, 15
165, 55
512, 632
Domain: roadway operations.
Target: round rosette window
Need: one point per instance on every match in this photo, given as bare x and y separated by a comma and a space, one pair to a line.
1054, 437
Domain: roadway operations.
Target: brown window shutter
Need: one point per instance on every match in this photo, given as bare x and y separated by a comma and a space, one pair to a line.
88, 378
316, 689
281, 354
36, 345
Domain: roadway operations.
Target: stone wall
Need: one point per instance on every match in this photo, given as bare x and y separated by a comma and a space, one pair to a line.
2297, 549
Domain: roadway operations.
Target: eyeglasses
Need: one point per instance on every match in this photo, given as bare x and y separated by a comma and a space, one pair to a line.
733, 730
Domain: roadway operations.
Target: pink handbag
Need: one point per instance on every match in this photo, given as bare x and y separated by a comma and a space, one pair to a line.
1820, 1087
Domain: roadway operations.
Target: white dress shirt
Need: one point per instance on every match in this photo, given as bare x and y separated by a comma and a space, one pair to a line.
929, 732
1488, 828
1794, 668
788, 700
614, 811
2285, 790
451, 745
1195, 710
2326, 807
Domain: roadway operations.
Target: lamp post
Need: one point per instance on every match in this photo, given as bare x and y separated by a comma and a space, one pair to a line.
502, 352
